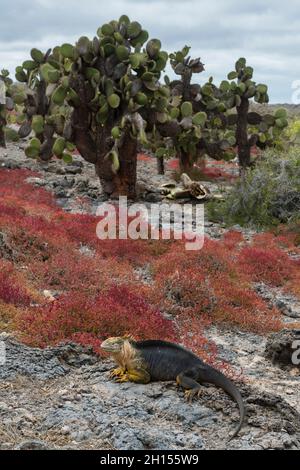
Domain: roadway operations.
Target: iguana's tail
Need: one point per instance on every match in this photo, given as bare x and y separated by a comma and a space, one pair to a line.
215, 377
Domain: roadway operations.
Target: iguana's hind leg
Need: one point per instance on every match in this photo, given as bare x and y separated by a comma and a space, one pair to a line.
188, 380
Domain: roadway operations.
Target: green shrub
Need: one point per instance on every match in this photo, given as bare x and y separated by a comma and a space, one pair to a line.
266, 195
292, 133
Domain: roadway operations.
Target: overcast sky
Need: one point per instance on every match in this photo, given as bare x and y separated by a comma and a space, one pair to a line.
266, 32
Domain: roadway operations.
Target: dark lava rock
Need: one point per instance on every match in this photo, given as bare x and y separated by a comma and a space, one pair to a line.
75, 355
42, 364
153, 197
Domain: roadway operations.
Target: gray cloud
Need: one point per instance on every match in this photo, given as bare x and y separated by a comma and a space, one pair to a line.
219, 31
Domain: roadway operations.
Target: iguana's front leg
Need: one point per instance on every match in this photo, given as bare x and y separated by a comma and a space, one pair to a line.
118, 372
140, 376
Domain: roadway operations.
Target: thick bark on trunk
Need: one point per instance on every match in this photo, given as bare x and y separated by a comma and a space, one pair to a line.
213, 150
185, 162
94, 151
42, 102
95, 145
160, 165
86, 145
244, 147
124, 182
2, 138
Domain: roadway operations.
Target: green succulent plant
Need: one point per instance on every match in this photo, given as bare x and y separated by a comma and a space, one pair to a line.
105, 96
6, 104
102, 94
199, 112
251, 127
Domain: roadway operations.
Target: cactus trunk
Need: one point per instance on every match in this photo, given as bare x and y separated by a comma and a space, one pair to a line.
123, 183
244, 147
185, 162
95, 145
2, 125
160, 165
2, 137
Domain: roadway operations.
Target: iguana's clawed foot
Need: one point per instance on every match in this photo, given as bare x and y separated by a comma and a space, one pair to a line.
190, 394
123, 378
118, 373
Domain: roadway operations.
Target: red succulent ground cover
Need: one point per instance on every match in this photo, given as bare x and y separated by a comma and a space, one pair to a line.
213, 286
12, 288
142, 157
209, 170
89, 319
212, 169
98, 292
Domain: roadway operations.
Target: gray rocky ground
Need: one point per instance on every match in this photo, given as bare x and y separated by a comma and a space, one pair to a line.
62, 397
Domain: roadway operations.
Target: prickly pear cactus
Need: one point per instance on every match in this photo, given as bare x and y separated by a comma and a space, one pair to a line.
6, 104
42, 117
199, 111
251, 128
103, 95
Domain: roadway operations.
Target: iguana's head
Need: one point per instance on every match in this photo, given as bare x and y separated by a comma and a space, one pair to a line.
114, 344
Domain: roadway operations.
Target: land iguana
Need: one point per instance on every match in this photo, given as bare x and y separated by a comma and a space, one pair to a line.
155, 360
